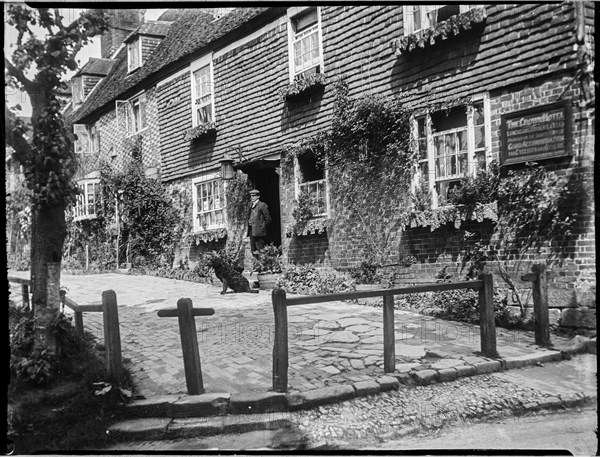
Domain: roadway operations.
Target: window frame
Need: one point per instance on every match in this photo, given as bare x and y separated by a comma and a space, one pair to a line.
292, 14
207, 179
81, 209
472, 164
94, 139
299, 185
142, 125
137, 42
196, 66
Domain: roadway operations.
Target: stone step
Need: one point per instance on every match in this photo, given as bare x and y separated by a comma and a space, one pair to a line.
162, 428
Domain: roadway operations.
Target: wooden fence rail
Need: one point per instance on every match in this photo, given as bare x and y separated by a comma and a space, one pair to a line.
485, 286
108, 308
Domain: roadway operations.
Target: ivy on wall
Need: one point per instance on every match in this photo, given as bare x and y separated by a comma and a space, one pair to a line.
370, 162
149, 224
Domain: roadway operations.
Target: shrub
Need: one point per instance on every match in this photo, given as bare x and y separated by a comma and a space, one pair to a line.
306, 280
365, 273
268, 260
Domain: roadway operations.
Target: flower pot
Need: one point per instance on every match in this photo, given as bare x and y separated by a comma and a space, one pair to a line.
267, 280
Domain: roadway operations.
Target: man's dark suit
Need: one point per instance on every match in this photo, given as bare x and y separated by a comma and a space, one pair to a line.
258, 219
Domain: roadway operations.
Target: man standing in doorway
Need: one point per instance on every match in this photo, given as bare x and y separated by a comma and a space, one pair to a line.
258, 219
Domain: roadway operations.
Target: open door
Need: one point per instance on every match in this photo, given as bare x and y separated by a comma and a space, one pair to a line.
264, 177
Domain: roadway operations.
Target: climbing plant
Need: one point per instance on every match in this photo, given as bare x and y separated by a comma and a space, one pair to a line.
238, 199
370, 167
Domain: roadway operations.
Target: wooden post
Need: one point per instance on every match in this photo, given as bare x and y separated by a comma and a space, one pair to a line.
280, 346
79, 322
540, 305
189, 345
389, 337
87, 257
185, 313
112, 335
25, 294
487, 321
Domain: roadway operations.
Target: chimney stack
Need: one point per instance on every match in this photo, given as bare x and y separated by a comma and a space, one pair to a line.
121, 23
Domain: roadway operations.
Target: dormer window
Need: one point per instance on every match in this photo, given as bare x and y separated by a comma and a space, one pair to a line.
134, 55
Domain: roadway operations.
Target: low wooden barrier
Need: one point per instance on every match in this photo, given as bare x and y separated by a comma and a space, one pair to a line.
25, 283
485, 285
539, 290
186, 312
109, 310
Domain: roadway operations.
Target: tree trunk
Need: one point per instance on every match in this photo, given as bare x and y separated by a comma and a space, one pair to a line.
48, 234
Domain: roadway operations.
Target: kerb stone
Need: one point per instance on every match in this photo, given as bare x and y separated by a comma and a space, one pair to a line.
424, 377
491, 366
388, 383
364, 388
152, 407
321, 396
211, 404
246, 403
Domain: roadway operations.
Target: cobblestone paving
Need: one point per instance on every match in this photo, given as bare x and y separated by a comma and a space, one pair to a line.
390, 417
329, 343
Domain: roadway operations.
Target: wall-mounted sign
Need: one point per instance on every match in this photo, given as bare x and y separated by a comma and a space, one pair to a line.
538, 133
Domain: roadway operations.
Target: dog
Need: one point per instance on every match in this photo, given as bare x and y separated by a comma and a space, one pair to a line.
230, 277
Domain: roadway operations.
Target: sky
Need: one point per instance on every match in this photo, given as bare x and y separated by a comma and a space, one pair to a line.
14, 97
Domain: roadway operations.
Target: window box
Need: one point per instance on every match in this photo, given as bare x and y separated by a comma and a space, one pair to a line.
453, 26
436, 218
199, 131
310, 226
207, 236
303, 86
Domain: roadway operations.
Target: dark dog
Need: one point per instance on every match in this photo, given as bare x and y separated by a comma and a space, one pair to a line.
230, 277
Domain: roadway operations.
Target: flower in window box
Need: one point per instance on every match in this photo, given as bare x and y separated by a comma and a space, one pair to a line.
453, 26
200, 130
302, 86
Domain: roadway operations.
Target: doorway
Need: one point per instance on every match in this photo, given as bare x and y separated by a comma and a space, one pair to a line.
264, 177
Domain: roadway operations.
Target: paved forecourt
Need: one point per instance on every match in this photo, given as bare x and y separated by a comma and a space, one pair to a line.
329, 343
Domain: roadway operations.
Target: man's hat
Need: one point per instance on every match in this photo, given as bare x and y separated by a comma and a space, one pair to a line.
254, 192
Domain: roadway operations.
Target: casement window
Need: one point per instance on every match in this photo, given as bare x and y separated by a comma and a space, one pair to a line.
94, 139
81, 144
208, 202
305, 38
451, 145
85, 204
312, 181
420, 17
134, 55
136, 114
203, 96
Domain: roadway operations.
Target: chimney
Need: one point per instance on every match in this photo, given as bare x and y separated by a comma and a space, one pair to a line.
121, 23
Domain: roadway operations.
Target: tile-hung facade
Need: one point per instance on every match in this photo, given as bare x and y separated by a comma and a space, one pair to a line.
514, 63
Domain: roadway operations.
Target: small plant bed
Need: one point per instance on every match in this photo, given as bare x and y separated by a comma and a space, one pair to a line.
302, 87
307, 280
200, 131
458, 306
60, 403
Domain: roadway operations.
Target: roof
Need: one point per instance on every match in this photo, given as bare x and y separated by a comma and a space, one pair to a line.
154, 28
190, 33
96, 66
